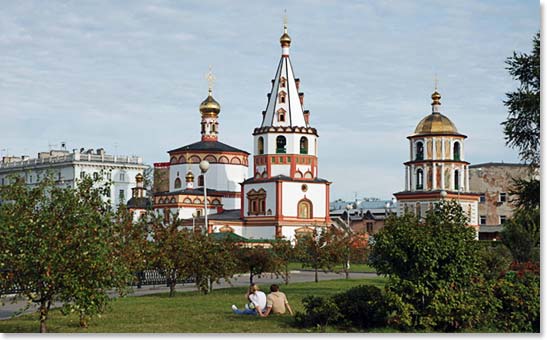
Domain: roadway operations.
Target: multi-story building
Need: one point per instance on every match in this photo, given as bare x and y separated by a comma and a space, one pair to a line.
366, 215
67, 168
494, 182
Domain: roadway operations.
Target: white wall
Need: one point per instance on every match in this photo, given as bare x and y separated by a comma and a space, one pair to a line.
259, 232
292, 194
223, 177
269, 187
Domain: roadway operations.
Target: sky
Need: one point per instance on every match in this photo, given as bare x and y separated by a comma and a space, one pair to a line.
129, 76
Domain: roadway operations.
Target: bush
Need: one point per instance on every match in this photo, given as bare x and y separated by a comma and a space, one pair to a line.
495, 259
362, 306
320, 312
518, 293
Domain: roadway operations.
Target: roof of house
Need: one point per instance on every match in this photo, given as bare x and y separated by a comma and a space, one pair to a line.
285, 178
208, 146
226, 215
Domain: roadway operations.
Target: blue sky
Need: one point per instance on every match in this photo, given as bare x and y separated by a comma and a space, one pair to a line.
129, 76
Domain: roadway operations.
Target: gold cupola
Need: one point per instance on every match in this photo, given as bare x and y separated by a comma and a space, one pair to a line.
436, 123
139, 178
209, 105
189, 176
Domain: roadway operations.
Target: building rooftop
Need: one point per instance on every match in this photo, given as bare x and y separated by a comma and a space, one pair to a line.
208, 146
484, 165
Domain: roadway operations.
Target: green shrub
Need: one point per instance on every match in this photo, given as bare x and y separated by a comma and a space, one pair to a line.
362, 306
320, 312
518, 293
495, 259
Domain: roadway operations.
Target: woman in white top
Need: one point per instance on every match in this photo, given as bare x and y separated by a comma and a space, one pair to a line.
257, 303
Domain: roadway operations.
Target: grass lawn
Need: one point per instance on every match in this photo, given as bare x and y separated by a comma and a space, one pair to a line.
187, 312
353, 268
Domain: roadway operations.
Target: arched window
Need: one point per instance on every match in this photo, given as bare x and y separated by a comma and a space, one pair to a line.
281, 115
304, 146
419, 151
419, 179
456, 151
456, 180
200, 180
257, 202
260, 145
282, 97
304, 209
282, 82
178, 183
281, 143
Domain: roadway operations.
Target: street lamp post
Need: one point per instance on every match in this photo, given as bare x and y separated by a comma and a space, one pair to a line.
348, 208
194, 215
204, 166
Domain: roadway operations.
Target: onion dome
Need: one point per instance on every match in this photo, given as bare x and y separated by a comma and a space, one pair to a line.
189, 176
209, 105
435, 123
285, 39
139, 178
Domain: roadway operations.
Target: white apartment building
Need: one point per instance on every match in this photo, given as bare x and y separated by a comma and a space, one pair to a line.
68, 167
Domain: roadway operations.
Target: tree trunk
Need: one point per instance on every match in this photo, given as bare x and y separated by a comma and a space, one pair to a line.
172, 281
83, 320
316, 275
44, 308
286, 274
251, 277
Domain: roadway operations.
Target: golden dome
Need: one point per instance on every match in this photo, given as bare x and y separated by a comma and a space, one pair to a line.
209, 105
285, 39
189, 176
139, 178
436, 96
435, 123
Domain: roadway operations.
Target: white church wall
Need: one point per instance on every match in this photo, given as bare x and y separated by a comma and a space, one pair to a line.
266, 232
292, 194
269, 187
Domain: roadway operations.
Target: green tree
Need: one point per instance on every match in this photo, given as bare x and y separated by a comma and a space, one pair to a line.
171, 252
210, 260
256, 261
521, 234
422, 258
319, 250
522, 127
283, 252
58, 245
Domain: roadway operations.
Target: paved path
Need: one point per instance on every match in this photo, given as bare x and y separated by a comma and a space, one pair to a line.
9, 310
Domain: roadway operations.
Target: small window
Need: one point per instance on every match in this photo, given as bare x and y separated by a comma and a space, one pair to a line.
29, 180
109, 176
200, 180
419, 151
503, 219
59, 175
122, 195
178, 183
456, 180
419, 179
370, 227
482, 198
82, 174
281, 143
260, 143
122, 176
304, 146
4, 181
95, 176
456, 151
483, 219
503, 197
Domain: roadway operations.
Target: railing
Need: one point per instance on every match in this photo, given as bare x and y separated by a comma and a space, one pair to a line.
152, 277
81, 157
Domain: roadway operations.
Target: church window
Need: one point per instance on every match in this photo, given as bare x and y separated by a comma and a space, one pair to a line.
370, 227
282, 82
456, 151
122, 195
456, 180
281, 143
200, 180
257, 202
482, 219
166, 215
304, 146
281, 115
418, 210
419, 151
282, 97
178, 183
260, 145
304, 208
419, 179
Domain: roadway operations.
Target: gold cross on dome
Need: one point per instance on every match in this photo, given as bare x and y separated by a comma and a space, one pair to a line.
285, 20
210, 79
436, 82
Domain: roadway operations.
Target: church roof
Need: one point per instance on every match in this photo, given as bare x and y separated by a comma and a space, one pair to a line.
139, 203
284, 85
208, 146
436, 123
195, 191
286, 179
226, 215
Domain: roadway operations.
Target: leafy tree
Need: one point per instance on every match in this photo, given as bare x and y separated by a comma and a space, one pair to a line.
210, 260
423, 257
58, 245
171, 251
256, 261
521, 234
283, 253
351, 247
319, 251
522, 127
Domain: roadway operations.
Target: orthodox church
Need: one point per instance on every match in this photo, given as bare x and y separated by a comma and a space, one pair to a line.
283, 198
437, 169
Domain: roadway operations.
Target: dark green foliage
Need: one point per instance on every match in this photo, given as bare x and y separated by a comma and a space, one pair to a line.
319, 312
527, 192
494, 258
319, 250
522, 127
422, 259
521, 234
256, 261
362, 307
520, 302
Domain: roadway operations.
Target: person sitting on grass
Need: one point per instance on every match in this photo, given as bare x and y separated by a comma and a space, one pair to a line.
276, 302
257, 302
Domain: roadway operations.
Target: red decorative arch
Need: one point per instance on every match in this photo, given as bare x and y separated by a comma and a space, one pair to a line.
195, 159
210, 158
235, 160
308, 175
182, 159
223, 160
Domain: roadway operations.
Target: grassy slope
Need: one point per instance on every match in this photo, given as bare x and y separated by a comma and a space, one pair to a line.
187, 312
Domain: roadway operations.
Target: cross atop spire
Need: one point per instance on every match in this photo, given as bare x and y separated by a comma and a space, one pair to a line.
436, 82
210, 79
285, 21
